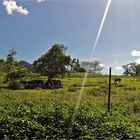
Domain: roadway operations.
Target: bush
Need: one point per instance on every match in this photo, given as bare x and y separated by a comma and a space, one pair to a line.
54, 122
96, 91
72, 89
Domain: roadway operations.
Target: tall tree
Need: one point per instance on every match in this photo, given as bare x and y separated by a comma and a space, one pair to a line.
131, 69
2, 65
93, 67
76, 66
138, 70
53, 63
14, 71
126, 70
10, 62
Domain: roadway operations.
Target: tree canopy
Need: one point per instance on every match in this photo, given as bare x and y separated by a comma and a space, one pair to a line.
2, 64
14, 71
76, 66
93, 67
53, 63
131, 69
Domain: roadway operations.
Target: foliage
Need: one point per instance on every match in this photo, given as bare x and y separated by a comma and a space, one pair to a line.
93, 67
32, 76
53, 63
41, 115
76, 66
131, 69
2, 64
14, 71
15, 76
10, 62
47, 114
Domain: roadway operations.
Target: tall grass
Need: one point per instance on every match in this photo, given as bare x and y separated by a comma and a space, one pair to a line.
45, 114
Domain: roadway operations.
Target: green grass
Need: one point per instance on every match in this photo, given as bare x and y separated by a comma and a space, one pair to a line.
46, 114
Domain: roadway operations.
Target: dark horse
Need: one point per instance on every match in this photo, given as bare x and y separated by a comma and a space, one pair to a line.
117, 80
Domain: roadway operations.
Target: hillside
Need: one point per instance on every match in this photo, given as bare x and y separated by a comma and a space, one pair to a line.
26, 64
51, 114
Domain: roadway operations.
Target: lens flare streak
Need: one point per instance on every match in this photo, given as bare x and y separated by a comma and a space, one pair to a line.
86, 74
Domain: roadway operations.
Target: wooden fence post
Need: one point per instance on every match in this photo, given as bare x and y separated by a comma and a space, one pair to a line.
109, 90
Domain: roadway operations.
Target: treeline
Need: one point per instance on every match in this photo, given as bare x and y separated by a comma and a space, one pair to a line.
131, 69
54, 63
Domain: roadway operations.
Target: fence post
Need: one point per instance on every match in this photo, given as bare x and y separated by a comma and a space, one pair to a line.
109, 91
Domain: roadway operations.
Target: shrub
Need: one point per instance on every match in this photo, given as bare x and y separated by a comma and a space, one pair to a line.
72, 89
96, 91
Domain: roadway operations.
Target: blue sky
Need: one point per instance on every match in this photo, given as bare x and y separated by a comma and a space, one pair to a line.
34, 28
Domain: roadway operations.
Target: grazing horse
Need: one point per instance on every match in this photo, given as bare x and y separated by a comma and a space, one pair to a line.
117, 80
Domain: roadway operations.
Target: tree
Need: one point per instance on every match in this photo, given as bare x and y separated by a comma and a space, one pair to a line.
93, 67
131, 69
15, 76
2, 65
126, 70
138, 70
14, 71
10, 62
76, 66
53, 63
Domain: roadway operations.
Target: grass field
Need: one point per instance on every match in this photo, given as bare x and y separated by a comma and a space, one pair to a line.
46, 114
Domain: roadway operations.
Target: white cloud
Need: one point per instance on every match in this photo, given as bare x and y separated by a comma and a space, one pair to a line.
137, 61
101, 65
135, 53
11, 6
39, 1
94, 59
118, 68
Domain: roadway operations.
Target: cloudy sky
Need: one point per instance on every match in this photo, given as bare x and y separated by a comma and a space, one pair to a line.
31, 27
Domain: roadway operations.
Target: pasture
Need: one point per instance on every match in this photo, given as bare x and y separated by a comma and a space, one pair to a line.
46, 114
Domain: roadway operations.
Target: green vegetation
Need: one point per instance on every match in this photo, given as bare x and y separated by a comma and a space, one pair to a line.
53, 63
93, 66
14, 72
132, 69
40, 114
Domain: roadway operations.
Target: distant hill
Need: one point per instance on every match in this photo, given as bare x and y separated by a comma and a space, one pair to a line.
26, 64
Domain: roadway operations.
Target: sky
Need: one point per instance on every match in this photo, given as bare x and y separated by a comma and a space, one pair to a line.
31, 27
